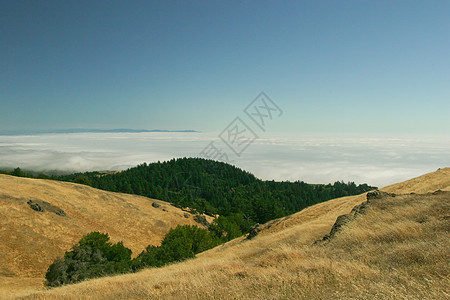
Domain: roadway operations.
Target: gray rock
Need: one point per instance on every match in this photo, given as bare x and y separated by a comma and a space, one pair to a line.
155, 205
340, 221
377, 194
35, 206
253, 232
360, 209
343, 220
201, 220
43, 206
60, 212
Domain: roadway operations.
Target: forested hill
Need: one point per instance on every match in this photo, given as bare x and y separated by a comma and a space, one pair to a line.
216, 188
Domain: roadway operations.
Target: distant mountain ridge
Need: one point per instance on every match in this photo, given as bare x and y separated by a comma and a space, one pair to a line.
87, 130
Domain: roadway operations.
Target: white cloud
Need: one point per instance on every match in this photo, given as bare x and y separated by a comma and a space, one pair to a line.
316, 159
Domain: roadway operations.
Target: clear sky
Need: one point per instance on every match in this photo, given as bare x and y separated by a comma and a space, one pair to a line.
332, 66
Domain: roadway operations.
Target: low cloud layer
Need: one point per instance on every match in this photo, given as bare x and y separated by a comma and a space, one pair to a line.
315, 159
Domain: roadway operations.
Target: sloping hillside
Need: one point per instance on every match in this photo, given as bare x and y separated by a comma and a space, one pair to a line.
396, 249
423, 184
30, 240
319, 218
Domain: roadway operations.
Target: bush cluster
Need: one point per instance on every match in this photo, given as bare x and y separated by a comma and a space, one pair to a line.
179, 244
95, 256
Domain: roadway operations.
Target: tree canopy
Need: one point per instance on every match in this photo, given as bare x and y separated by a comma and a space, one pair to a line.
214, 187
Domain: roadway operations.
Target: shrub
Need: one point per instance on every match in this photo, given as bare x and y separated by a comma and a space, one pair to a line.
180, 243
93, 256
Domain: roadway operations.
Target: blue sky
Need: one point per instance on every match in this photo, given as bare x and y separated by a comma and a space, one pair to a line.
332, 66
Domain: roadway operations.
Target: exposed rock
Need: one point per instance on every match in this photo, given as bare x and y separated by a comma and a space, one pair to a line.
377, 194
343, 220
60, 212
254, 231
201, 219
155, 205
55, 209
340, 221
360, 209
35, 206
373, 195
42, 206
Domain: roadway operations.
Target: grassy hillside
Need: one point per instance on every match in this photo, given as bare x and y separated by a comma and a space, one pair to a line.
397, 249
30, 240
423, 184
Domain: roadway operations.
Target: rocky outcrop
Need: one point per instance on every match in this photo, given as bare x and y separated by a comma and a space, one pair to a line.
253, 232
34, 206
377, 194
42, 206
201, 219
343, 220
438, 192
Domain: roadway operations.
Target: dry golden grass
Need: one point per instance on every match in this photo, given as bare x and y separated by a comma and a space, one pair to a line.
30, 240
423, 184
398, 249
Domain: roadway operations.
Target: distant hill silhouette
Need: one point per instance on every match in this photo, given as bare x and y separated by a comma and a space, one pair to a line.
85, 130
